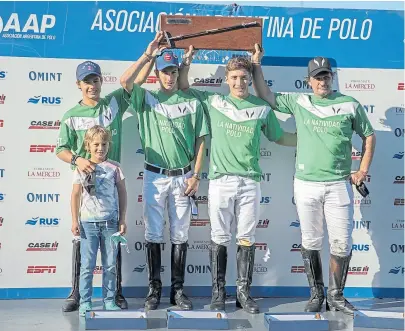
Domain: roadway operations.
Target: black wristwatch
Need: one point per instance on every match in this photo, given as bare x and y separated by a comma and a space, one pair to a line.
74, 159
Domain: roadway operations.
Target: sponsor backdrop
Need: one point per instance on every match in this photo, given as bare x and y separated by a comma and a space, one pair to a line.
41, 45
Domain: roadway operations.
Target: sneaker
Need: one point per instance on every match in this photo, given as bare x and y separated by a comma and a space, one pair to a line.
85, 306
111, 305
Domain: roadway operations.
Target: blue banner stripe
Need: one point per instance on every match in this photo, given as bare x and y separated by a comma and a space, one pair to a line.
122, 30
202, 291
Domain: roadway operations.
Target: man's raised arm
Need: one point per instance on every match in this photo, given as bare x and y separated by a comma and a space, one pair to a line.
185, 68
136, 73
261, 88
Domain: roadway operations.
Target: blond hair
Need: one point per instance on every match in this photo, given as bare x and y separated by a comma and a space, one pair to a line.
239, 63
96, 131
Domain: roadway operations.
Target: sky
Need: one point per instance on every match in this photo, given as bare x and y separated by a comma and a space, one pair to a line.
383, 5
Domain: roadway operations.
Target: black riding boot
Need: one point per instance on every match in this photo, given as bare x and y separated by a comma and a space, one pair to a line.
335, 301
153, 256
218, 260
72, 301
245, 258
313, 269
178, 267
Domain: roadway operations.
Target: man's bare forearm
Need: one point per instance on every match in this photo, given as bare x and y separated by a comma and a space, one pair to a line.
144, 73
128, 77
200, 151
261, 88
65, 156
367, 153
183, 77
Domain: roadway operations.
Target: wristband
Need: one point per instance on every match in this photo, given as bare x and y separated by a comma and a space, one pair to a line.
196, 176
150, 57
74, 159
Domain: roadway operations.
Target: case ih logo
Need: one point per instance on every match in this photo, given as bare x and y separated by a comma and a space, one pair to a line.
152, 80
2, 99
297, 269
263, 224
215, 82
261, 246
399, 202
358, 271
41, 125
44, 247
200, 222
399, 180
40, 269
296, 248
42, 148
401, 86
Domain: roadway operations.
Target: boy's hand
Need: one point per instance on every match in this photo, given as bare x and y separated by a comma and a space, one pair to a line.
122, 228
85, 165
153, 47
188, 57
75, 228
258, 54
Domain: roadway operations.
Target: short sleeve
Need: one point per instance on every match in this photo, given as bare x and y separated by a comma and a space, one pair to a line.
122, 97
137, 98
119, 175
201, 122
66, 137
285, 102
271, 128
362, 125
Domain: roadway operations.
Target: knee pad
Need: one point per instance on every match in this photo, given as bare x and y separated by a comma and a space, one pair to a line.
245, 243
341, 248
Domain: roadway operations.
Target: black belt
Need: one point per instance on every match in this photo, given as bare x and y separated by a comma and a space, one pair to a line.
168, 172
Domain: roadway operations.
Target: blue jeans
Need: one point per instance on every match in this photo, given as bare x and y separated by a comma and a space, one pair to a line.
92, 236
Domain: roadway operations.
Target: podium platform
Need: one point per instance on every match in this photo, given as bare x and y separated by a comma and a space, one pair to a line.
28, 315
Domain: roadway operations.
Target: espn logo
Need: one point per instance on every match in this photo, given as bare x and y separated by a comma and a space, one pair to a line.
152, 80
200, 222
297, 269
401, 86
261, 246
41, 269
42, 148
399, 202
2, 99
